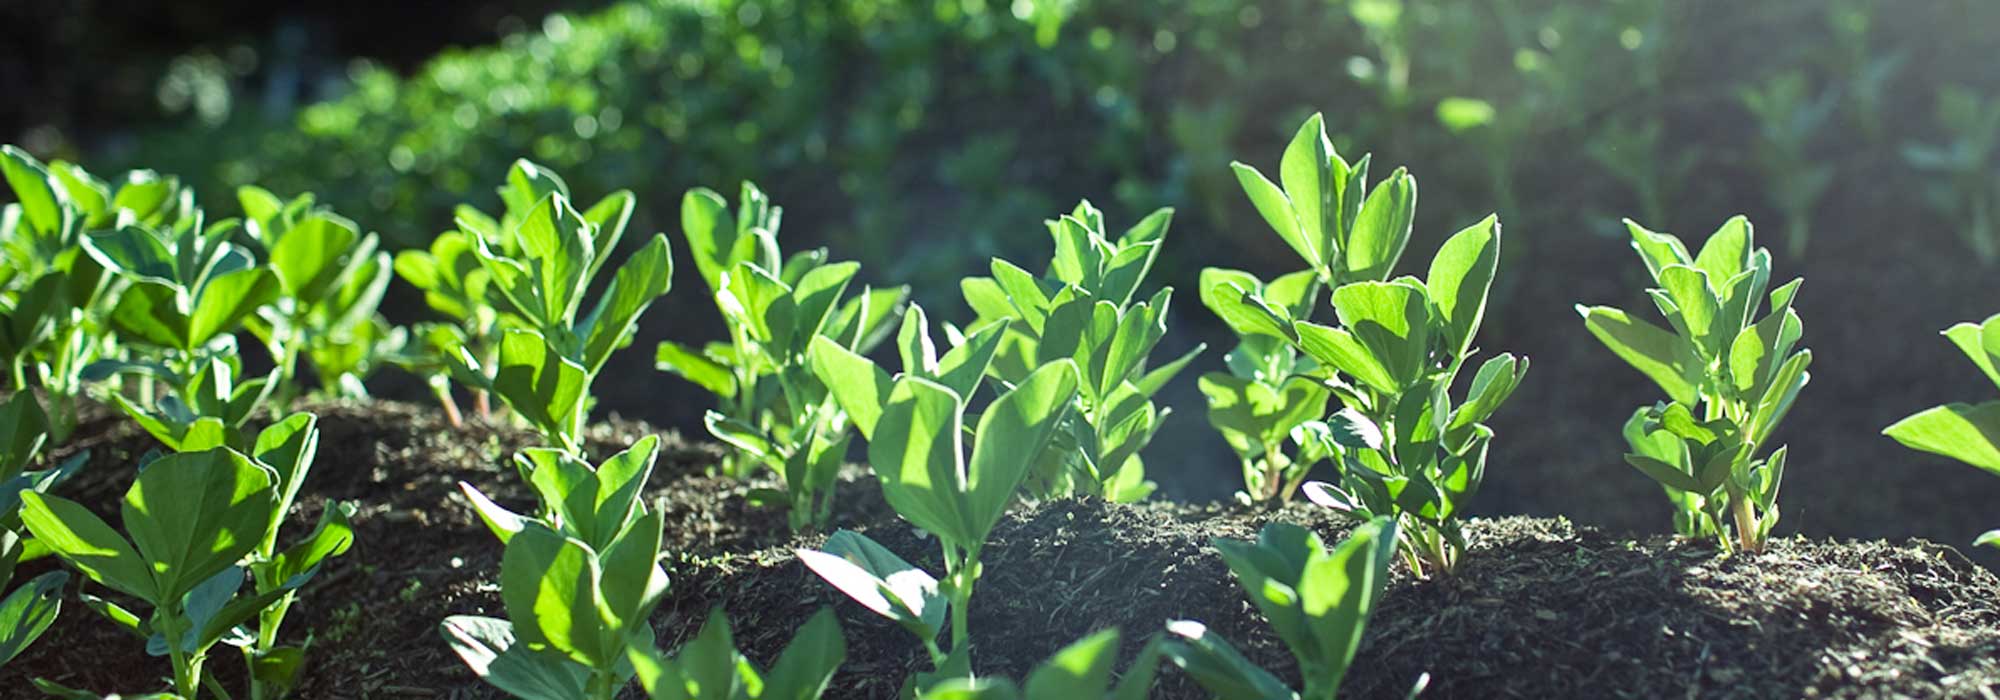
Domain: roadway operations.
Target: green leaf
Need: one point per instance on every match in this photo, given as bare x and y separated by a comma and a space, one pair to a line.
194, 514
1251, 414
147, 312
135, 253
1727, 252
1383, 228
695, 367
226, 300
915, 452
1696, 301
27, 612
1012, 434
1080, 670
633, 581
288, 448
539, 383
330, 538
1666, 473
644, 277
962, 368
1965, 432
1460, 276
488, 646
1658, 250
880, 581
808, 663
608, 218
1277, 210
1338, 591
711, 234
1310, 187
815, 296
1392, 322
1656, 353
1495, 381
1981, 343
504, 523
1219, 668
41, 204
312, 254
857, 384
550, 583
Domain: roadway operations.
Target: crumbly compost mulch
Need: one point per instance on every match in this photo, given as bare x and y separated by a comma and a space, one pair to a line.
1540, 609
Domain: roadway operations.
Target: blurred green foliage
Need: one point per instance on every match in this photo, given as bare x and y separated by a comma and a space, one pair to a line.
923, 138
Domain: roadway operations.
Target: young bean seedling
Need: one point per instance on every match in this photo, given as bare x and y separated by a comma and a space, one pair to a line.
1317, 599
1406, 448
1324, 210
55, 297
539, 260
1403, 448
25, 612
773, 409
1729, 376
1969, 433
191, 519
1964, 189
332, 280
1080, 671
710, 668
579, 578
186, 290
914, 427
1086, 308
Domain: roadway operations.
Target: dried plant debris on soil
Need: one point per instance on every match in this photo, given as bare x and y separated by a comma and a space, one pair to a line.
1540, 608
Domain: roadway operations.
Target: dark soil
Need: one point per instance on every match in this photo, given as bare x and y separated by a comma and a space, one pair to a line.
1541, 608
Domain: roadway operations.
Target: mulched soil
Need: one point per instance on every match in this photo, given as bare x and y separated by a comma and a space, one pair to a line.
1542, 608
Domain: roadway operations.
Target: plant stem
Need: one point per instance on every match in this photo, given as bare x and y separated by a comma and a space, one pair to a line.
186, 672
1746, 524
602, 686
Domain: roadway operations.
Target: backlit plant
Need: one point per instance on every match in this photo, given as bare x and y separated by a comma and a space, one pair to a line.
454, 286
186, 290
193, 522
1086, 307
1317, 599
1964, 188
773, 409
1323, 208
579, 581
26, 611
1968, 433
1080, 671
579, 577
53, 295
1403, 449
710, 668
1261, 404
332, 280
1788, 120
914, 425
1407, 449
539, 260
1729, 376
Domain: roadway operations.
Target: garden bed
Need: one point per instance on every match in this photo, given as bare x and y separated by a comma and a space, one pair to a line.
1541, 608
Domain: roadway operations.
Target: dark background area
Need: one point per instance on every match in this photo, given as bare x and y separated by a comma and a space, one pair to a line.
922, 142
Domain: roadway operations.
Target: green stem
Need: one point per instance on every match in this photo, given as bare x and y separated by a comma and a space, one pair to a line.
1746, 523
958, 566
602, 686
186, 672
1275, 466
